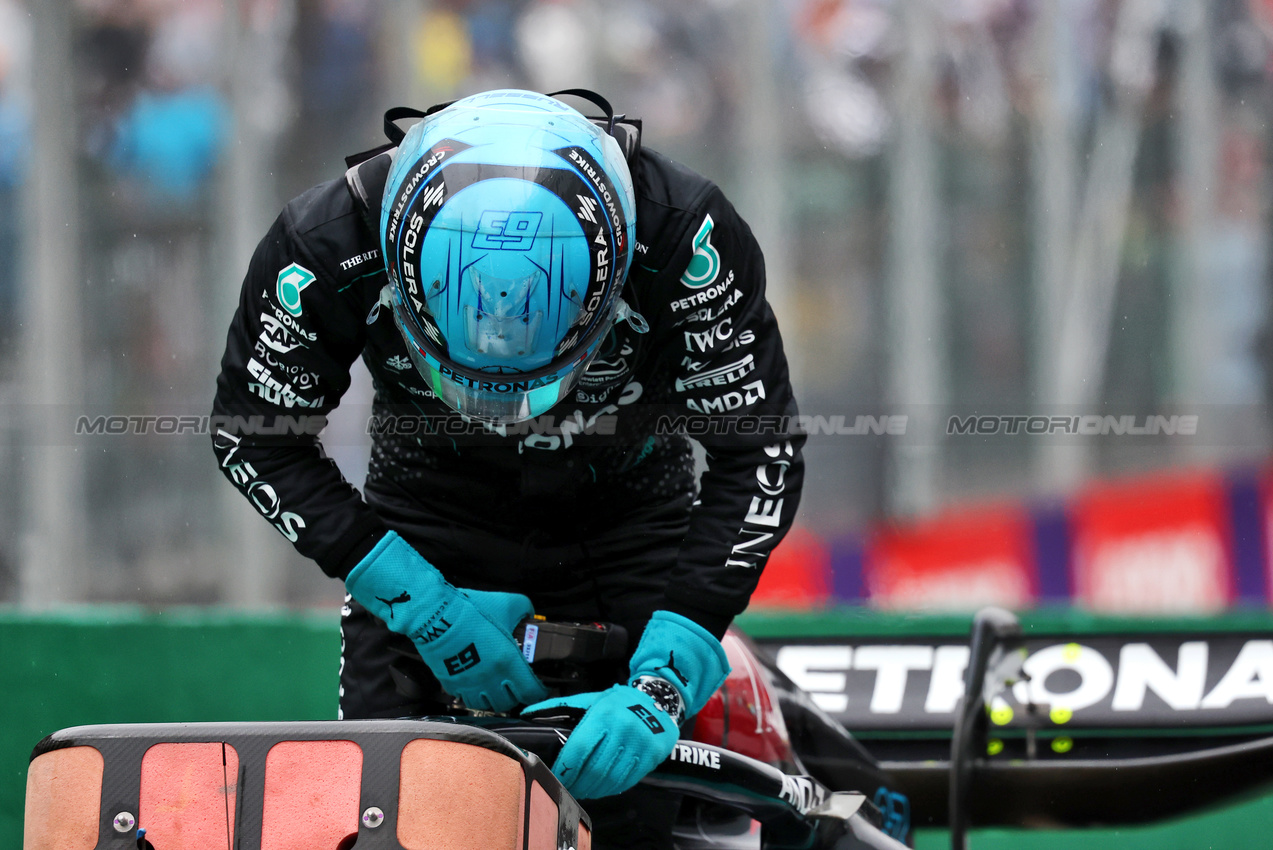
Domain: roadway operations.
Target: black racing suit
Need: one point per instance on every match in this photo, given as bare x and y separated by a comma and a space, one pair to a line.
591, 509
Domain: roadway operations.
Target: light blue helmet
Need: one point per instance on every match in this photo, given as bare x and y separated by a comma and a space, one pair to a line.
507, 228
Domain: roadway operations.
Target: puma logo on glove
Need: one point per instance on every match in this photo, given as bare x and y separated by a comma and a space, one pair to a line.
675, 672
401, 597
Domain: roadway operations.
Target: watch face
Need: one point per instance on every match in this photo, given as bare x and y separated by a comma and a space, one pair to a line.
665, 696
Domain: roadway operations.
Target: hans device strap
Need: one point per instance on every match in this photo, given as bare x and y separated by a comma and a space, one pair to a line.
626, 131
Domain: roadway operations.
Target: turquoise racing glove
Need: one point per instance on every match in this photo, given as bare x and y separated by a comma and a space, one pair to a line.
464, 636
628, 730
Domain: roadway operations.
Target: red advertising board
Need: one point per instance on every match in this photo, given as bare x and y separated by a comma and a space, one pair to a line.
798, 574
1266, 511
1152, 545
957, 561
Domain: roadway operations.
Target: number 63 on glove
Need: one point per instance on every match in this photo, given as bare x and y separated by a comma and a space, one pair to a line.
464, 636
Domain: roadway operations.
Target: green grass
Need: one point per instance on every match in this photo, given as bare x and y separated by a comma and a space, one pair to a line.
1247, 825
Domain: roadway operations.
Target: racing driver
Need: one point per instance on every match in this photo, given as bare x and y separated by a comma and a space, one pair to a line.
546, 308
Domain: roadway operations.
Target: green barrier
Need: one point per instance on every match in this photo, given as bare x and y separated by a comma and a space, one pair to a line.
123, 665
113, 665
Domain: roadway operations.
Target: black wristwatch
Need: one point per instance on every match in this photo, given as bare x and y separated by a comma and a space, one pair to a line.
664, 694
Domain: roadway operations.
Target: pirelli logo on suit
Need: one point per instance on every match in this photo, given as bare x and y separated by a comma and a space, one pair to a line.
722, 376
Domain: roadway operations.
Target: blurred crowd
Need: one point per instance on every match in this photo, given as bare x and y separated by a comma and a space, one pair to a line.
154, 113
168, 91
15, 106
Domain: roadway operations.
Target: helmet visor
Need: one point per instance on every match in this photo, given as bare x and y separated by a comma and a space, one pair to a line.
500, 398
509, 329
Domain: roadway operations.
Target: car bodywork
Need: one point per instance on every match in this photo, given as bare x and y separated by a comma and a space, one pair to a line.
1062, 730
